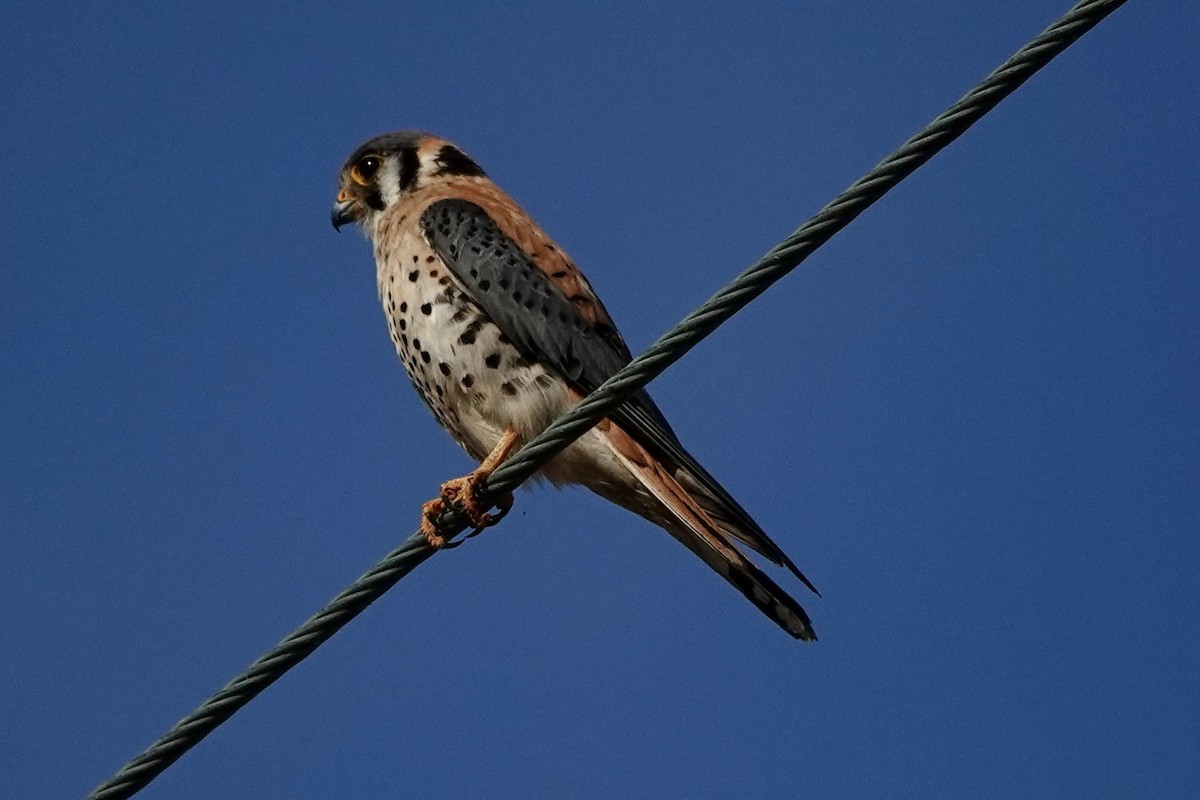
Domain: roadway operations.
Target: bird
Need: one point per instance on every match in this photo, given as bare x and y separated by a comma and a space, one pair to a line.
500, 333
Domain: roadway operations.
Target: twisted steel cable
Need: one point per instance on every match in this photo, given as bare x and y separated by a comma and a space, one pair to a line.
781, 260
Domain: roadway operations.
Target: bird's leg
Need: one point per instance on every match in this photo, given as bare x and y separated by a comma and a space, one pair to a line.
461, 493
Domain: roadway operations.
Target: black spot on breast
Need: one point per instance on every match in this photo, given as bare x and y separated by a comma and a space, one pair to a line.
485, 285
508, 389
430, 259
427, 308
503, 339
417, 343
404, 339
439, 391
467, 380
412, 276
416, 258
444, 368
425, 356
403, 323
403, 307
493, 361
468, 337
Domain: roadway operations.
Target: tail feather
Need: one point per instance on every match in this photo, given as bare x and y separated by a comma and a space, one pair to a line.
720, 505
733, 525
686, 518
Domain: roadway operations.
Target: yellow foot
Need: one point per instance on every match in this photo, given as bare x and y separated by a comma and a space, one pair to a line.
460, 493
430, 512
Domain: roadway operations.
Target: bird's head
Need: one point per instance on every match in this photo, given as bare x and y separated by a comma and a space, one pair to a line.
387, 168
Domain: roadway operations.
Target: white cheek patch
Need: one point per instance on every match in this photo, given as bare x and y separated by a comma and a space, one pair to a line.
389, 181
427, 158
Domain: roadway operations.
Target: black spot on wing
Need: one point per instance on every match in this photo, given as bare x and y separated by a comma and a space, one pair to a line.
543, 324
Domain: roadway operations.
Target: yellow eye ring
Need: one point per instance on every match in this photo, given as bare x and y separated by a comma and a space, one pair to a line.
364, 170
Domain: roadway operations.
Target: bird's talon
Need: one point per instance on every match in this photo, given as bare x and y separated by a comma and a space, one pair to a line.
463, 494
460, 494
503, 506
430, 512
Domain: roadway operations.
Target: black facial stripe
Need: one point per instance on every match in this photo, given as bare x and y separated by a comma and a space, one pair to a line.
410, 165
375, 201
452, 161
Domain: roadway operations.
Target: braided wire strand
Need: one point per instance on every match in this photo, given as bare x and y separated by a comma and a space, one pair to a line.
669, 348
789, 253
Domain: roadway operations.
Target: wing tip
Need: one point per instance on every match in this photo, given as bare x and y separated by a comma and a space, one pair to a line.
791, 566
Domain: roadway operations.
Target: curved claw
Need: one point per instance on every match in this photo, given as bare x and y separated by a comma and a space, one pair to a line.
430, 513
462, 494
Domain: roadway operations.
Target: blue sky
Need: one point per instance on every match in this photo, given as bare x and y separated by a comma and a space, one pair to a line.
972, 418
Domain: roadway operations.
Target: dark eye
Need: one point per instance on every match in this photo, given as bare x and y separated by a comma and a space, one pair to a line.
365, 169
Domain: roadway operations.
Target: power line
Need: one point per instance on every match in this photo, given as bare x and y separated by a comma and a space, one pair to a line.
781, 260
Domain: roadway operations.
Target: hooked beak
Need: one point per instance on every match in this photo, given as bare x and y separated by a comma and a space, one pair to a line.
345, 210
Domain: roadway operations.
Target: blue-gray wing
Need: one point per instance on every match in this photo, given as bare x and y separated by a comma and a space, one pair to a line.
546, 327
520, 298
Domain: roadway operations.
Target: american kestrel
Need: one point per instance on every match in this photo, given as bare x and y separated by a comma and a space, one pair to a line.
500, 333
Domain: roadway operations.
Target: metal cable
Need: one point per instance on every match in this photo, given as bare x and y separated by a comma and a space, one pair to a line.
781, 260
